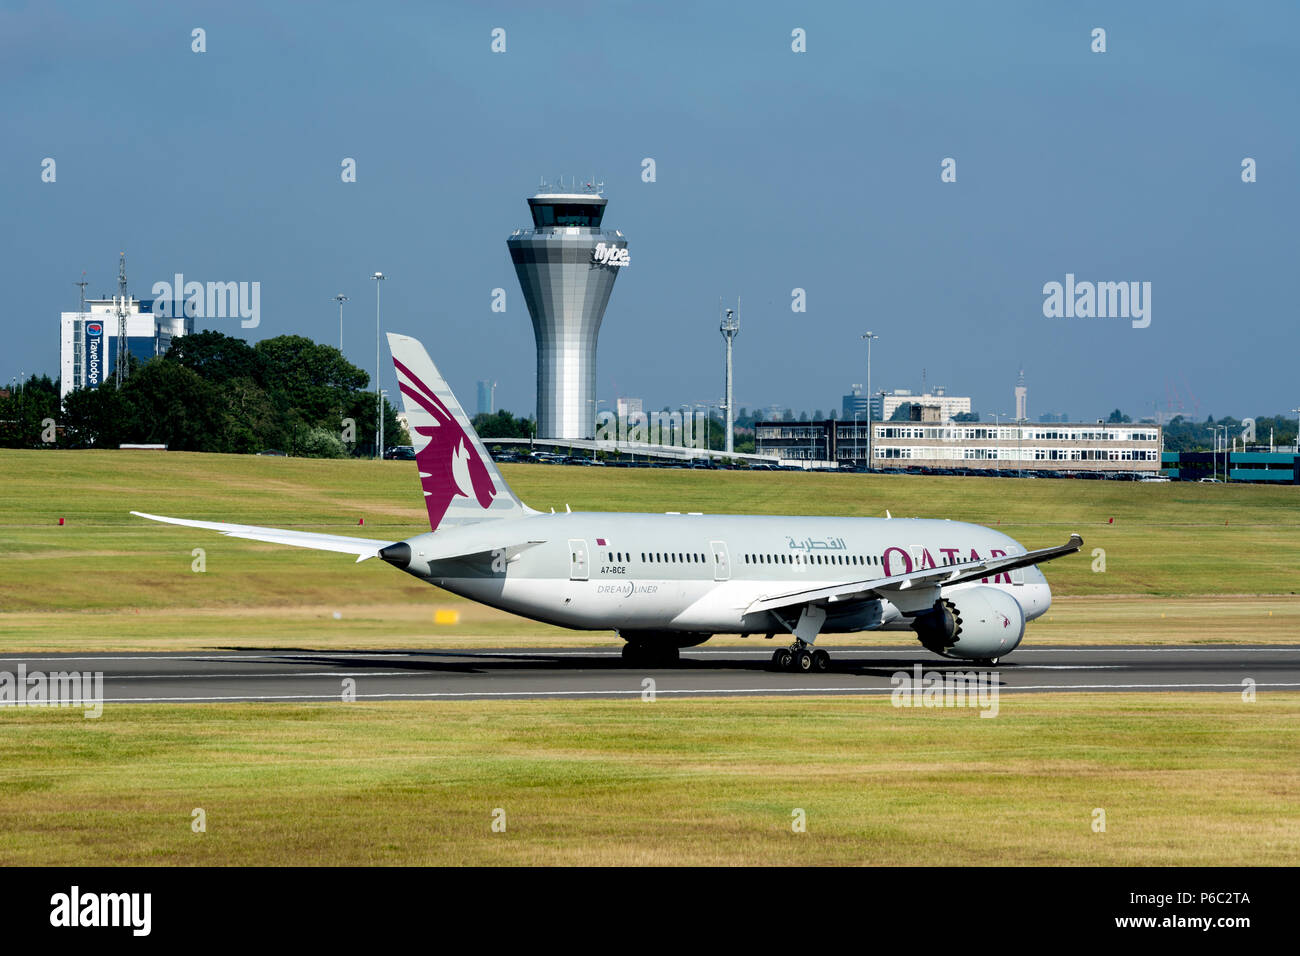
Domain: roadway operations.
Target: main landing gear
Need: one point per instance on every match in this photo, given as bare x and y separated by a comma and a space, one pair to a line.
801, 659
800, 656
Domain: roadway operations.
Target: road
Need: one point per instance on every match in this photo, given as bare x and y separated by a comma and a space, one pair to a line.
598, 673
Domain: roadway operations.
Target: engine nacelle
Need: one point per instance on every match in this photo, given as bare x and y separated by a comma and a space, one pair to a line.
976, 624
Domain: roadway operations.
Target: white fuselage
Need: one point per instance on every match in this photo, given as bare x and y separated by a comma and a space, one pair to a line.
699, 573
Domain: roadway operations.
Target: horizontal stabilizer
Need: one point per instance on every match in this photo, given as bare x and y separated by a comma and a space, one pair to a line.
362, 547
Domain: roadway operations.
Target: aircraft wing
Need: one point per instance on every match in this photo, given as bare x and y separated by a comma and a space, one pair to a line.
942, 576
362, 547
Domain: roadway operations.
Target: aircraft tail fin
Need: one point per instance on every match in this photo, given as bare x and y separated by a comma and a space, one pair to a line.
461, 483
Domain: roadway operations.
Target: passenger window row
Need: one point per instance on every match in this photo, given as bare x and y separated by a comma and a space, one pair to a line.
799, 558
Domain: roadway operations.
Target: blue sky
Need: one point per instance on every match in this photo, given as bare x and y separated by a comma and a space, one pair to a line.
775, 170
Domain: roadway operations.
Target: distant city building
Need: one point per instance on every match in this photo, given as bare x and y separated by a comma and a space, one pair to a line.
1067, 447
854, 403
1022, 398
88, 342
626, 407
949, 405
930, 444
807, 443
1054, 417
487, 397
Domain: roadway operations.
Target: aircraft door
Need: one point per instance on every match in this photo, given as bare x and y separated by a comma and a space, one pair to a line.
721, 562
578, 563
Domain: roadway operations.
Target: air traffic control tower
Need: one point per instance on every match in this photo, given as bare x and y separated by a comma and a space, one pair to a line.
567, 266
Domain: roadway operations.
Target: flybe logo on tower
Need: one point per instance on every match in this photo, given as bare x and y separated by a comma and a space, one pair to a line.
608, 254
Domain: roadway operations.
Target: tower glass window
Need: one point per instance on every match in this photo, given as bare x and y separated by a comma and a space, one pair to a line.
567, 214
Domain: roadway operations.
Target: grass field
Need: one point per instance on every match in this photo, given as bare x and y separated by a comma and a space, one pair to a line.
1183, 779
107, 580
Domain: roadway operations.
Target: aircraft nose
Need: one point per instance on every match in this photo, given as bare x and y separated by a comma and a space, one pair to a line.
398, 555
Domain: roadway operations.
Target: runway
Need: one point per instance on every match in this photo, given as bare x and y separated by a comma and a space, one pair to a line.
599, 673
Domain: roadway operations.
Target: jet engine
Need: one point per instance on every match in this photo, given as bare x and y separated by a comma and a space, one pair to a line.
978, 624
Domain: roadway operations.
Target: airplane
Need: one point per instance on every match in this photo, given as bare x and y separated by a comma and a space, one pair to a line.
669, 581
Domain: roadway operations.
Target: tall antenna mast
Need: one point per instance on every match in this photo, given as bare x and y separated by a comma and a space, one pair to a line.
119, 358
81, 330
730, 328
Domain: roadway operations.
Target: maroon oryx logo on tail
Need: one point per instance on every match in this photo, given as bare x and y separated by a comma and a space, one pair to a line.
448, 464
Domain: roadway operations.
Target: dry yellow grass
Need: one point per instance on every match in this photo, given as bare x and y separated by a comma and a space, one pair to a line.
1202, 779
1079, 620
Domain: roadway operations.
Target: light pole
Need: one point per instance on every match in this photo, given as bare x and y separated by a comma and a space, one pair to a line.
1214, 451
382, 393
379, 401
708, 413
855, 431
340, 299
595, 415
730, 328
869, 336
1020, 430
997, 437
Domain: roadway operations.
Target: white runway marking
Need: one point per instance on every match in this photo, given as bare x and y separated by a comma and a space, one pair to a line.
637, 691
245, 676
688, 652
318, 655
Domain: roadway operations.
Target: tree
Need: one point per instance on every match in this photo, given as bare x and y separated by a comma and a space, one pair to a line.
171, 405
361, 408
321, 443
24, 410
317, 379
966, 417
1118, 418
218, 357
95, 417
502, 424
255, 419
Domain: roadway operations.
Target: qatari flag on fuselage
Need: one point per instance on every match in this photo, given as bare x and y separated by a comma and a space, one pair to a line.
600, 543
